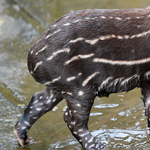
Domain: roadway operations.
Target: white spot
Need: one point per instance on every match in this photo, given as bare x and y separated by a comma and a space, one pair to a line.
35, 117
85, 82
48, 101
41, 104
38, 109
77, 20
138, 17
31, 107
51, 96
66, 113
37, 65
75, 111
73, 123
128, 18
133, 36
79, 74
54, 100
54, 25
103, 17
40, 97
113, 36
126, 36
71, 78
23, 128
47, 97
80, 93
75, 132
110, 17
66, 17
118, 18
120, 37
86, 145
52, 34
92, 145
69, 93
27, 123
80, 130
66, 50
35, 102
79, 105
41, 50
30, 112
91, 139
67, 24
70, 112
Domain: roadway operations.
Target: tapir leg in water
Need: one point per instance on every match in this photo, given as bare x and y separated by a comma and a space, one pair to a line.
40, 103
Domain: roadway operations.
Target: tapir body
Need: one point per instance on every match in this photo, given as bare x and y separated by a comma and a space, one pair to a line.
85, 54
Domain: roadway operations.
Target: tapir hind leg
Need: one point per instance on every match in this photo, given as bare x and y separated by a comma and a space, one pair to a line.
40, 103
76, 118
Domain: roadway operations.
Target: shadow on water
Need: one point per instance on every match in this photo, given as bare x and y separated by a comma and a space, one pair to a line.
118, 121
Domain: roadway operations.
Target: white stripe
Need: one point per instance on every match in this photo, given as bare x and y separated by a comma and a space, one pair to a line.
85, 82
41, 50
125, 81
37, 65
54, 80
67, 24
79, 57
92, 42
106, 81
57, 52
77, 20
121, 62
76, 40
110, 36
71, 78
52, 34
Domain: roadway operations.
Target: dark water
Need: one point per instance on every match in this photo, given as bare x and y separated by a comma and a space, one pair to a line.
117, 121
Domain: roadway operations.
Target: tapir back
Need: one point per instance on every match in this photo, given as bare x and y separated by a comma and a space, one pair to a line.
102, 49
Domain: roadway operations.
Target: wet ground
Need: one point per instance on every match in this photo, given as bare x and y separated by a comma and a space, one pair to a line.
117, 121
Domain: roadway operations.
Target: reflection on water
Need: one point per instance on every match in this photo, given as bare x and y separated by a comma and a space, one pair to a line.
117, 121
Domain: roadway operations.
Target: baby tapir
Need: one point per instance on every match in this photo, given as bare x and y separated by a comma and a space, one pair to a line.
85, 54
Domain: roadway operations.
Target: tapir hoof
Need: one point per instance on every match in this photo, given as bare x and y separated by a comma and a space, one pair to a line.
22, 142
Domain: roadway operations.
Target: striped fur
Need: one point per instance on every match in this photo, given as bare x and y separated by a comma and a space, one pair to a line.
85, 54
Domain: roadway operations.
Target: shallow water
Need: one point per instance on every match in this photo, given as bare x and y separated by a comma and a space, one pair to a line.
117, 121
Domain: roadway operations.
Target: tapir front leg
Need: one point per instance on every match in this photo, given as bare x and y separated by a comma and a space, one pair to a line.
40, 103
146, 100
